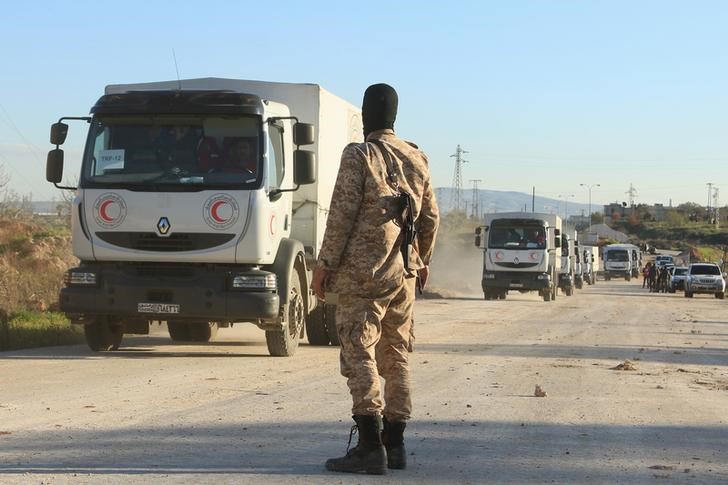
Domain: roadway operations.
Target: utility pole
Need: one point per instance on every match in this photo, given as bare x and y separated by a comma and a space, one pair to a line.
710, 196
476, 199
716, 210
457, 181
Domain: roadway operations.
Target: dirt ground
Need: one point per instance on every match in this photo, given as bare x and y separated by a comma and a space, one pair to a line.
225, 412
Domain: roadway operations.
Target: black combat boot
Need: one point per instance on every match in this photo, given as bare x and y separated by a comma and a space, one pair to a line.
393, 440
368, 455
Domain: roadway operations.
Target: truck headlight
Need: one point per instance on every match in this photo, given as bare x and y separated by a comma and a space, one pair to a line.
80, 278
543, 276
255, 281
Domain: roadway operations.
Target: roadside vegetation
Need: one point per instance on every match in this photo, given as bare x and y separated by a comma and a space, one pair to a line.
35, 251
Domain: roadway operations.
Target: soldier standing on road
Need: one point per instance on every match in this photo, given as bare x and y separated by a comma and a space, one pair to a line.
361, 260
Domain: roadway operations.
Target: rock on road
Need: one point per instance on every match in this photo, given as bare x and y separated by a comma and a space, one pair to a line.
226, 412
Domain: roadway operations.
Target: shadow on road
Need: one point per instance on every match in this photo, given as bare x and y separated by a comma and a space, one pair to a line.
439, 452
693, 355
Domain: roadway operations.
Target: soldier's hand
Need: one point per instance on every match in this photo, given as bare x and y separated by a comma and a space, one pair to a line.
423, 273
320, 277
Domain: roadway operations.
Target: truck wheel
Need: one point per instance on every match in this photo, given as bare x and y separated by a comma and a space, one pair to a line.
103, 334
546, 294
330, 311
487, 295
316, 326
179, 331
284, 342
720, 295
627, 277
688, 294
569, 291
202, 331
502, 295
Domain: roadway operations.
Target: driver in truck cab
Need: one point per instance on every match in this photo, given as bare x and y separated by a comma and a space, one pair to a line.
535, 239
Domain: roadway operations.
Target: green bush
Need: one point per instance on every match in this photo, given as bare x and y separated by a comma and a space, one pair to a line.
29, 329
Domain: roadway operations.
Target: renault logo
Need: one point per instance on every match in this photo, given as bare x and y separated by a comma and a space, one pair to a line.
163, 226
516, 261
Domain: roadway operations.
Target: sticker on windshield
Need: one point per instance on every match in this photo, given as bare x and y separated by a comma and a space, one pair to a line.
110, 159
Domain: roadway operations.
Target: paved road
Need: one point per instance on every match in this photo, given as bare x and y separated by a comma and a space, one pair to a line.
225, 412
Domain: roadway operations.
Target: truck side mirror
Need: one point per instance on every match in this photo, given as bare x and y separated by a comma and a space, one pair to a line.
303, 134
557, 241
557, 232
54, 166
304, 167
58, 133
477, 240
478, 230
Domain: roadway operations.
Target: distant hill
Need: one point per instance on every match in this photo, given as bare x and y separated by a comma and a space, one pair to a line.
502, 201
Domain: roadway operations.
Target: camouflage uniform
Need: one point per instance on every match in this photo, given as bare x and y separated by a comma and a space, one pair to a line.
361, 251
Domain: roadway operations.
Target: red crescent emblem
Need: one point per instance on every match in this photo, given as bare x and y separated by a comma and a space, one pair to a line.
213, 211
102, 210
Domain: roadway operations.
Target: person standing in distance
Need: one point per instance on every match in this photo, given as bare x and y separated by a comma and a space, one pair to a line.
361, 260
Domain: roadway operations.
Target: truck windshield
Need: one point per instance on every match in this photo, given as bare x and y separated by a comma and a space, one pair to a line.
517, 235
619, 256
175, 151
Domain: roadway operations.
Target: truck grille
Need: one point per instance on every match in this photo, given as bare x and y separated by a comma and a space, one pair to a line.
519, 265
149, 241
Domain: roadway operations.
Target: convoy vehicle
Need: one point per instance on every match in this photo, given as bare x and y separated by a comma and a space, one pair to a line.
704, 278
590, 263
621, 260
578, 266
196, 206
568, 262
664, 260
677, 280
520, 252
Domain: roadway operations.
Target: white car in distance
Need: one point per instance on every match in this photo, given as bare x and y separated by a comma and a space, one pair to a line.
704, 278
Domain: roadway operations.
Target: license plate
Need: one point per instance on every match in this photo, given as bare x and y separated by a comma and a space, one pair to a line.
157, 308
516, 285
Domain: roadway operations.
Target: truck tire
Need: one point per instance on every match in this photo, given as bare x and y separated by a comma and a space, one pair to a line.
103, 334
284, 342
688, 294
316, 326
569, 291
546, 294
720, 295
502, 295
202, 331
330, 311
178, 331
487, 294
627, 277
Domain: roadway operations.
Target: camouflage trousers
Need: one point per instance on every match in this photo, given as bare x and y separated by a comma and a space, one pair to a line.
374, 335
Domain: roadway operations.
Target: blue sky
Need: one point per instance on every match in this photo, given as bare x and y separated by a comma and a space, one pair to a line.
541, 93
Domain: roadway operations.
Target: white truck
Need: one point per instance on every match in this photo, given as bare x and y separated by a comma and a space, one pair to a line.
196, 206
621, 260
589, 263
521, 252
567, 273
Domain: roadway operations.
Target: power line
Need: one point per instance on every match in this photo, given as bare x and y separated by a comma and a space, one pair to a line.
458, 177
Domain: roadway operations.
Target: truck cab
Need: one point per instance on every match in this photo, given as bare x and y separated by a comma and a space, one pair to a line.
520, 252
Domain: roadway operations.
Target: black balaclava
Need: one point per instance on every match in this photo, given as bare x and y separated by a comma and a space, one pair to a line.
379, 108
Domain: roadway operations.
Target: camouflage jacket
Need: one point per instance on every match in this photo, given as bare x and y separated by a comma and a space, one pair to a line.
361, 246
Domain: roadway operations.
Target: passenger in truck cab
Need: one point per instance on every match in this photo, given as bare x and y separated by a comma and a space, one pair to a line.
239, 156
535, 239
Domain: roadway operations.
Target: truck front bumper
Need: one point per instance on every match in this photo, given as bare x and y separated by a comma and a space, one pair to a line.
515, 280
565, 281
199, 292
